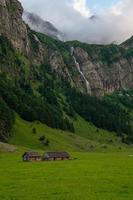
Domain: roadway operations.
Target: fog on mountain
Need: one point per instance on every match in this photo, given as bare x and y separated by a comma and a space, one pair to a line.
113, 25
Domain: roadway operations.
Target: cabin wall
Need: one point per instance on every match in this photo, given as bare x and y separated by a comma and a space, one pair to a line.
35, 159
28, 158
53, 159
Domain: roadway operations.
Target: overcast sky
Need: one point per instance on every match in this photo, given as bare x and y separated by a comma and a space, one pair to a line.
113, 22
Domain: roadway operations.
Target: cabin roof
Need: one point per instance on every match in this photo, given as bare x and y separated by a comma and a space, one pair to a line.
57, 154
32, 154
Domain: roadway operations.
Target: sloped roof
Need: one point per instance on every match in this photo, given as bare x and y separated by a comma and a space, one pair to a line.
32, 154
57, 154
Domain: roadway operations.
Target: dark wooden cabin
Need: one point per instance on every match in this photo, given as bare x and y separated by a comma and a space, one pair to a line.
56, 156
32, 156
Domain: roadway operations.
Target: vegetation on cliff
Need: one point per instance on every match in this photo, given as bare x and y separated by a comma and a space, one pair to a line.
36, 92
108, 54
44, 103
39, 94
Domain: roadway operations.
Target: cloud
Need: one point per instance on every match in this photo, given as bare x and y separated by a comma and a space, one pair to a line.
72, 18
80, 6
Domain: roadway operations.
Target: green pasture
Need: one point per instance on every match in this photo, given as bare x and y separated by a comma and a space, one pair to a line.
89, 176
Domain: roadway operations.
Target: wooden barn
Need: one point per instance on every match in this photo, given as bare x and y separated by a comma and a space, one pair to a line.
32, 156
56, 156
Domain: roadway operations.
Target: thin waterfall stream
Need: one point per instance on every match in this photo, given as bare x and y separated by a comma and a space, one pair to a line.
88, 88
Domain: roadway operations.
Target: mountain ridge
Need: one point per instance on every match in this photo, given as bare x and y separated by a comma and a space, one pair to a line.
37, 24
106, 67
42, 79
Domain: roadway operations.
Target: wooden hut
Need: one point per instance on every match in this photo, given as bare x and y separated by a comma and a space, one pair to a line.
32, 156
56, 156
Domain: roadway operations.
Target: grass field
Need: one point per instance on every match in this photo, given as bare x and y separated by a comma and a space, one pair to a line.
95, 173
94, 176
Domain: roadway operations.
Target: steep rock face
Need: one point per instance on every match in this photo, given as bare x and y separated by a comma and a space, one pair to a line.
103, 78
19, 34
85, 71
25, 41
11, 24
59, 67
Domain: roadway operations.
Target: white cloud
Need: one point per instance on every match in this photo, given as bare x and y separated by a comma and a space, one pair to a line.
71, 17
80, 6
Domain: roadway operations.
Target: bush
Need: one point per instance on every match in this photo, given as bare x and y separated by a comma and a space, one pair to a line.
34, 131
44, 140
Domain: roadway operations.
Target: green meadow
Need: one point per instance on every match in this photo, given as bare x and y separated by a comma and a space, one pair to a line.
101, 167
94, 176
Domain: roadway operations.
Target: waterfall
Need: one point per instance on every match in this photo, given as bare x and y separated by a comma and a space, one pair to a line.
88, 88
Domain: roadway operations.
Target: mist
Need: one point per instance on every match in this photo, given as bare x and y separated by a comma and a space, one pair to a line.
79, 22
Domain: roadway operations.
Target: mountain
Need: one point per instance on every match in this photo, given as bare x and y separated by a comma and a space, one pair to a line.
54, 82
94, 17
106, 68
39, 25
128, 43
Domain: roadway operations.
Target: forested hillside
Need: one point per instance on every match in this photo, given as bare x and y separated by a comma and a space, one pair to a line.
42, 79
54, 102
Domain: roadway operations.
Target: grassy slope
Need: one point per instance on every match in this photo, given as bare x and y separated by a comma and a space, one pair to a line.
86, 138
94, 176
93, 133
59, 140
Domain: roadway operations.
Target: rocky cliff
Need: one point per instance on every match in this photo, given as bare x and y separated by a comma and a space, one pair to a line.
11, 24
13, 27
106, 77
92, 69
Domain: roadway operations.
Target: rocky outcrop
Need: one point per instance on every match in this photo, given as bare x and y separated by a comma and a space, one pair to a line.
19, 34
11, 24
103, 78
